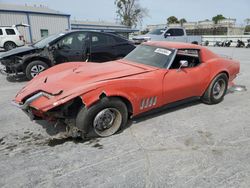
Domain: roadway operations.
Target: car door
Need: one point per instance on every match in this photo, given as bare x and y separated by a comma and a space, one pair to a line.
71, 47
182, 83
175, 35
103, 47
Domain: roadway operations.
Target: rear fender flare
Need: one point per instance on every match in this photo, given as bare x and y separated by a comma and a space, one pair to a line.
214, 75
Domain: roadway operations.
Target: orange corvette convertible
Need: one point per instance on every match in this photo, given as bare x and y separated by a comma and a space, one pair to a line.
93, 97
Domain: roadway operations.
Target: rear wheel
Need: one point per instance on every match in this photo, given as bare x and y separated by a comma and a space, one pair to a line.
105, 118
9, 45
216, 90
34, 68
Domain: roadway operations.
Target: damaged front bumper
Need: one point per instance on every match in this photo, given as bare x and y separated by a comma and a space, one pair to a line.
11, 66
25, 105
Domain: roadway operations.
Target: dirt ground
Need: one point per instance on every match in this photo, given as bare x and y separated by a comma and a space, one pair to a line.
192, 145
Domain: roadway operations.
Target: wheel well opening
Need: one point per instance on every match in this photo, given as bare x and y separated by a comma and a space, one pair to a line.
9, 42
102, 95
74, 108
36, 59
127, 103
225, 72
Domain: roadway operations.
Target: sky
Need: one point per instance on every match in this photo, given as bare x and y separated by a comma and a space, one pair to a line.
158, 10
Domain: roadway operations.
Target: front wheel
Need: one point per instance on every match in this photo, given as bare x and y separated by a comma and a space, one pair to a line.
216, 90
34, 68
105, 118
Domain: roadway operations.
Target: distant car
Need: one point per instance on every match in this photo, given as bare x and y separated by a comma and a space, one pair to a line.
101, 97
65, 47
10, 38
171, 34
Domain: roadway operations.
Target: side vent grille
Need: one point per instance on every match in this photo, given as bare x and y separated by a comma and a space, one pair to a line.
148, 102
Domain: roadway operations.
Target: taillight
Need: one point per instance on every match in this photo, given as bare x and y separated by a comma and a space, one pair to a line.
20, 37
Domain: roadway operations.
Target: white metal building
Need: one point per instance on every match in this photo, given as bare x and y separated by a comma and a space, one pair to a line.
42, 20
102, 26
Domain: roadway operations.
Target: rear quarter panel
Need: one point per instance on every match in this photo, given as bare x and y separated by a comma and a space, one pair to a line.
219, 65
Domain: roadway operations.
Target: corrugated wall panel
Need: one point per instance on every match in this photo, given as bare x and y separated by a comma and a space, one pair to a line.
53, 24
8, 19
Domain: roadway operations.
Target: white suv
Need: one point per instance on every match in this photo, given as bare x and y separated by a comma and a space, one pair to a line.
10, 38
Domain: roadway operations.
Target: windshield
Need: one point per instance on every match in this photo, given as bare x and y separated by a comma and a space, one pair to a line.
151, 55
157, 31
42, 43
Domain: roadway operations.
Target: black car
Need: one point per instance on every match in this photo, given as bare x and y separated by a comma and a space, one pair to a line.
65, 47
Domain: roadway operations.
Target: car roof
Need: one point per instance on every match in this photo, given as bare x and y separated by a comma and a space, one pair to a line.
7, 27
174, 45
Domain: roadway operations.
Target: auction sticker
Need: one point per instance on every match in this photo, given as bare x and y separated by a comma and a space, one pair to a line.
163, 51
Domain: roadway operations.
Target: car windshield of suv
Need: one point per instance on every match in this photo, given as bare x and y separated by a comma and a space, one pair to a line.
156, 31
42, 43
151, 55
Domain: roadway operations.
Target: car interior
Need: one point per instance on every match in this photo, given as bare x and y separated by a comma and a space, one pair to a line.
191, 56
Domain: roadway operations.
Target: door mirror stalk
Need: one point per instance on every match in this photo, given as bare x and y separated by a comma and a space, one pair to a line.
183, 64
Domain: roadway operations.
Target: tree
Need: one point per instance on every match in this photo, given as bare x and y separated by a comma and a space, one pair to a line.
145, 31
182, 21
217, 18
247, 21
130, 12
247, 29
172, 20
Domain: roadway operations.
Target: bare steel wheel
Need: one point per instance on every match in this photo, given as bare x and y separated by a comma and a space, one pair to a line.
219, 88
107, 122
216, 90
104, 118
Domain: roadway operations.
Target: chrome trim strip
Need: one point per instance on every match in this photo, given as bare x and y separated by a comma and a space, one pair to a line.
172, 60
29, 101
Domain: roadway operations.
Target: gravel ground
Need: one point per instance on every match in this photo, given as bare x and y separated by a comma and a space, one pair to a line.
192, 145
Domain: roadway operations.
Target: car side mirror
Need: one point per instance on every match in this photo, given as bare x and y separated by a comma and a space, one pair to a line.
167, 35
183, 64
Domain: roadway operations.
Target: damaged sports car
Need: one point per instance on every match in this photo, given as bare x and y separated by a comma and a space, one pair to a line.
100, 98
69, 46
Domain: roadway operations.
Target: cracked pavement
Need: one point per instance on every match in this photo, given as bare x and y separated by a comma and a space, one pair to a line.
192, 145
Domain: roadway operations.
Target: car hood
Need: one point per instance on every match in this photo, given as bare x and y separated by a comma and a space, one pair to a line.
74, 79
17, 51
141, 37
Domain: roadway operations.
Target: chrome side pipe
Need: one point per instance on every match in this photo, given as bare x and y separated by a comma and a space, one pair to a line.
29, 100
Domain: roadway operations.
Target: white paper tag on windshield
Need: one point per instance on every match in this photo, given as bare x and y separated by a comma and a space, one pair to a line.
163, 51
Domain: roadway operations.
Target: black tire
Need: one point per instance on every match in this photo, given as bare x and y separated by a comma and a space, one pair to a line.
88, 117
216, 90
34, 68
9, 45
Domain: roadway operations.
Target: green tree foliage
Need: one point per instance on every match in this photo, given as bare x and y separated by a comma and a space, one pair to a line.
182, 21
130, 12
247, 28
217, 18
172, 20
145, 31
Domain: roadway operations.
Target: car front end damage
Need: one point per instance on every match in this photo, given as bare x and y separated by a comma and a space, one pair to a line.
63, 113
12, 65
